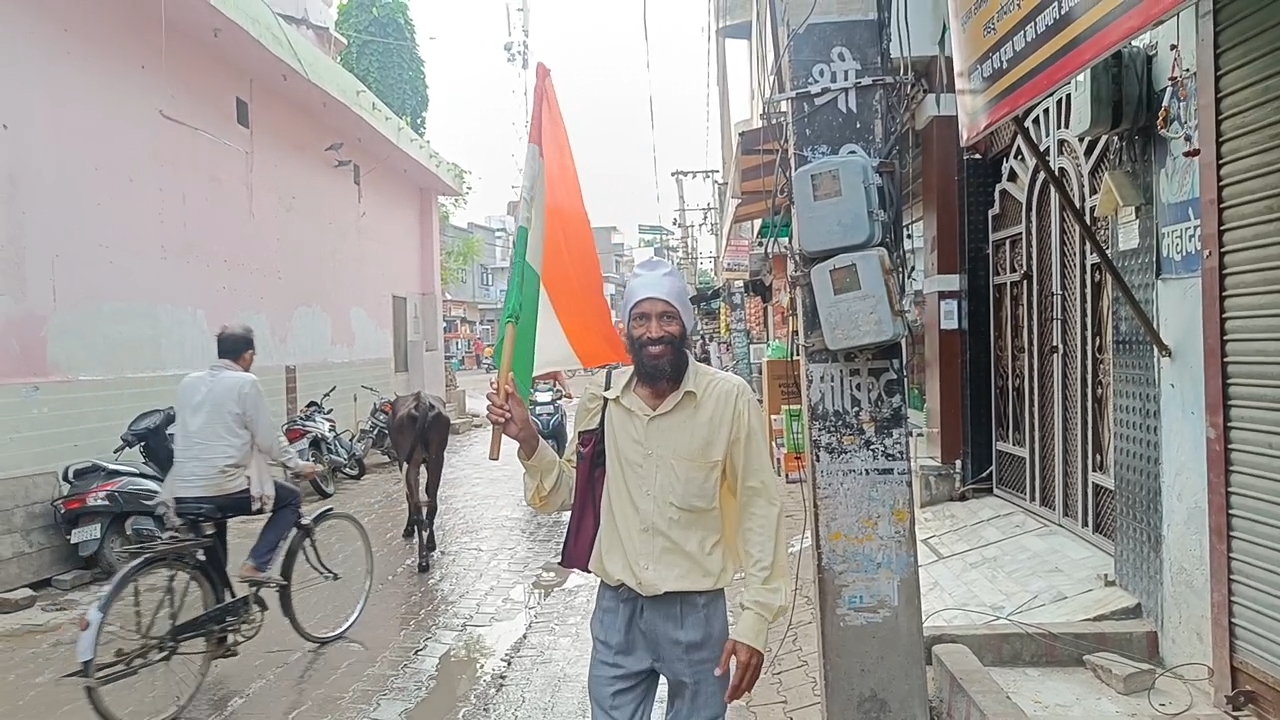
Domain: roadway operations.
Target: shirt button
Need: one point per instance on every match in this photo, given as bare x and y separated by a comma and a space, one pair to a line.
648, 452
644, 528
646, 566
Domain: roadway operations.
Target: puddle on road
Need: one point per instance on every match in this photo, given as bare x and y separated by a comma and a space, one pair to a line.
452, 664
553, 577
474, 655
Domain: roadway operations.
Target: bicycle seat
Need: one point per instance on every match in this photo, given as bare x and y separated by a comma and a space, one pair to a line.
198, 511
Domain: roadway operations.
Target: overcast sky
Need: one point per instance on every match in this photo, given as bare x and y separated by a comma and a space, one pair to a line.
595, 51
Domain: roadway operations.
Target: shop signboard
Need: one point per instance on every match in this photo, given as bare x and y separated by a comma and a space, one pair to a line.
739, 340
1009, 54
735, 264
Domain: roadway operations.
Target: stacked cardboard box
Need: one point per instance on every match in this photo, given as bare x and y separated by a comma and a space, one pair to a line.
780, 382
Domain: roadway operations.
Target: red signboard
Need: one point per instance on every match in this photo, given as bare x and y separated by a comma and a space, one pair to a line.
1009, 54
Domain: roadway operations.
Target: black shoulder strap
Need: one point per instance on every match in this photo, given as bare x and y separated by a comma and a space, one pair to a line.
608, 382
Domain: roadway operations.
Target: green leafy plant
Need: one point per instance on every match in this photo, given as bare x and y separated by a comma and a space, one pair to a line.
450, 206
458, 253
382, 52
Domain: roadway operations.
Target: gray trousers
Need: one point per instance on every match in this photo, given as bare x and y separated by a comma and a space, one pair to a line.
636, 639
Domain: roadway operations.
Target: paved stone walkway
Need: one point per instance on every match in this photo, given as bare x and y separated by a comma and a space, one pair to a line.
789, 687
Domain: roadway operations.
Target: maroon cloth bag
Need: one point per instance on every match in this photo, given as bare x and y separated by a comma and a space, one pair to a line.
588, 492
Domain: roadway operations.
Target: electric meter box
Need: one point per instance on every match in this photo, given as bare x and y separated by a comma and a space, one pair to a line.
836, 205
856, 301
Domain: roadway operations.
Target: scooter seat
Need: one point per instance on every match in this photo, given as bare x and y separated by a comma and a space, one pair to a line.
198, 511
141, 469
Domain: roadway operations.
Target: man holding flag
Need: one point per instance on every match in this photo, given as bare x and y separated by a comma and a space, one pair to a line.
690, 498
688, 494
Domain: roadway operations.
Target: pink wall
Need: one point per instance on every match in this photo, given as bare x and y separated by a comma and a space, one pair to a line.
136, 215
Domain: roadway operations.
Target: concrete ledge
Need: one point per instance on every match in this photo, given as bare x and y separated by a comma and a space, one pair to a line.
1008, 645
966, 690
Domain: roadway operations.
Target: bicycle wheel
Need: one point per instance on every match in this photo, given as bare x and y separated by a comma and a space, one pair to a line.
335, 549
117, 688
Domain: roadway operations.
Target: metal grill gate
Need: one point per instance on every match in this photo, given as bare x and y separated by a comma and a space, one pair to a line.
1052, 334
1247, 69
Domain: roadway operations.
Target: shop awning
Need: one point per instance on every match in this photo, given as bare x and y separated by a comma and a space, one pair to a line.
754, 175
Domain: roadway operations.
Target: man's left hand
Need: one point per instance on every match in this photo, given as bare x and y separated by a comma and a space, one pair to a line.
747, 664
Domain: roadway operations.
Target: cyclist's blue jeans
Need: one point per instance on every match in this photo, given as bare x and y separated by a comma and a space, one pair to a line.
285, 512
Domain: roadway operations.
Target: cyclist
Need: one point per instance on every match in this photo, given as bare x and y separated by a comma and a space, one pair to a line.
222, 438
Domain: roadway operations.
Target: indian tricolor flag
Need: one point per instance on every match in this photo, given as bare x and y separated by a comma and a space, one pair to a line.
555, 297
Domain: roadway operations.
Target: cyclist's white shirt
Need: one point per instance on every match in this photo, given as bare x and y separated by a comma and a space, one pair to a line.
223, 421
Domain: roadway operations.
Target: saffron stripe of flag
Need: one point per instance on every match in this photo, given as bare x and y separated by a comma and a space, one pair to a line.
555, 294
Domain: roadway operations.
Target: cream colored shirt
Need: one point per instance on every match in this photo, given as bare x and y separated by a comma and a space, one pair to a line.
690, 493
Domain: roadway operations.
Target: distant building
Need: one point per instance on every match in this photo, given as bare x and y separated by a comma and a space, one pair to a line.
472, 297
615, 264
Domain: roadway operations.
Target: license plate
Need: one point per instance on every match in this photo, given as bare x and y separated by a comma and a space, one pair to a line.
86, 532
544, 410
299, 446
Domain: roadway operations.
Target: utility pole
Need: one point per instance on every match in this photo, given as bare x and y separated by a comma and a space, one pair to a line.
683, 221
855, 402
688, 239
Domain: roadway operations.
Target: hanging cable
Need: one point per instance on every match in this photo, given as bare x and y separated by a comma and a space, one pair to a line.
711, 38
653, 118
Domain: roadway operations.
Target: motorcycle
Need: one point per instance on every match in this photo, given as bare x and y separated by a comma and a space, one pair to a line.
373, 432
549, 416
108, 506
313, 434
488, 366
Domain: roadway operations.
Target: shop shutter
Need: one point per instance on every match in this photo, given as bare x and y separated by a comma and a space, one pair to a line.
1248, 94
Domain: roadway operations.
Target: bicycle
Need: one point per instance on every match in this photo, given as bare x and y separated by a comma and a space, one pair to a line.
225, 621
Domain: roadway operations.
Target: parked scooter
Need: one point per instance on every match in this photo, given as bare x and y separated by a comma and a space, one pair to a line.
373, 433
108, 506
313, 434
488, 366
549, 416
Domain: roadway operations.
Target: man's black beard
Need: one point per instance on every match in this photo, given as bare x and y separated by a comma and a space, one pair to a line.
655, 372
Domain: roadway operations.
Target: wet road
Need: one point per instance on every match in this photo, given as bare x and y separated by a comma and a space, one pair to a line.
463, 641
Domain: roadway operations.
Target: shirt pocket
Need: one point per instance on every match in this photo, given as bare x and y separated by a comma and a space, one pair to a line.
695, 484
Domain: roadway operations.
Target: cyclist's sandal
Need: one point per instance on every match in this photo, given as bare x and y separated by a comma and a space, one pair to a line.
267, 580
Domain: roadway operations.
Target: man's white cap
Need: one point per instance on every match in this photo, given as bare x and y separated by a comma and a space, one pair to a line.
655, 278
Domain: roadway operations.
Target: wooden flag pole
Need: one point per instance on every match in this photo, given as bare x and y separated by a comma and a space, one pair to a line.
504, 372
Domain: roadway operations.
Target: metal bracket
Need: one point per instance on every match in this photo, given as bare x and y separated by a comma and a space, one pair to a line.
1240, 699
1077, 216
811, 90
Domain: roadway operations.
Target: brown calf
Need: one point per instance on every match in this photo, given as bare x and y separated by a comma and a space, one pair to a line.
419, 434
